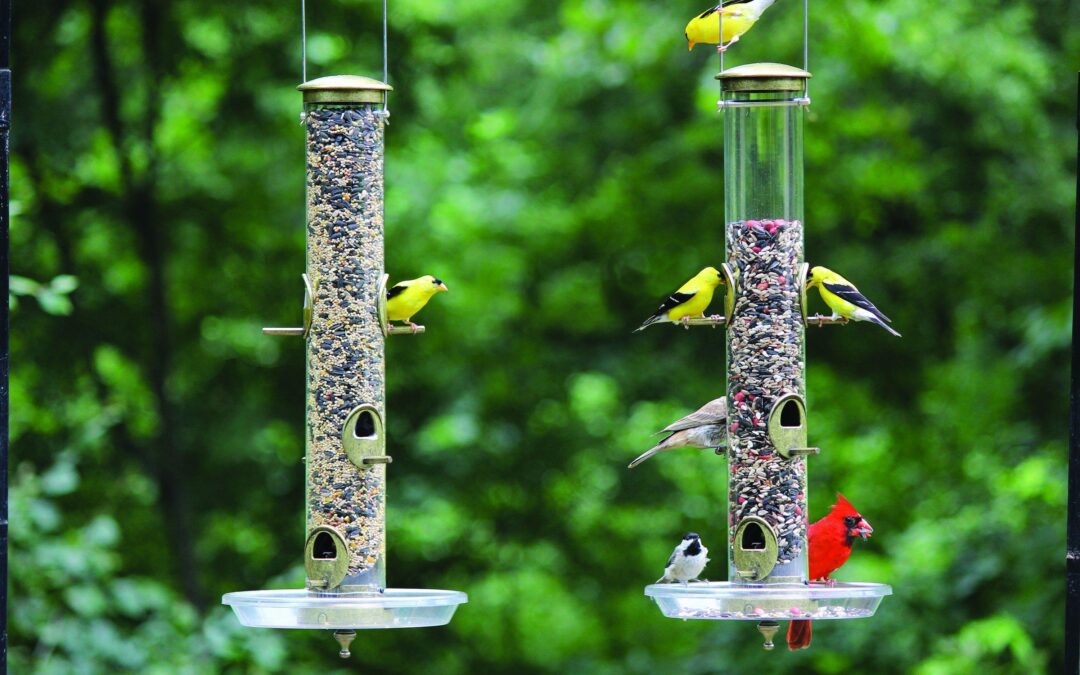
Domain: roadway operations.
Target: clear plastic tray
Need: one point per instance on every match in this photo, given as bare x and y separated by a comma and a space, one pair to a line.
394, 608
722, 600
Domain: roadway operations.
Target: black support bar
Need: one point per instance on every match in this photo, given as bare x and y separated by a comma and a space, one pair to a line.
1072, 552
5, 127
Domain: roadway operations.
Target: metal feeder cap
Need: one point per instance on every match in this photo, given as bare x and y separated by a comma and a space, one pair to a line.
344, 89
763, 77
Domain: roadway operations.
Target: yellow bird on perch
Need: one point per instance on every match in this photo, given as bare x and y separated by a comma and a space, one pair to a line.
406, 298
691, 300
845, 301
739, 17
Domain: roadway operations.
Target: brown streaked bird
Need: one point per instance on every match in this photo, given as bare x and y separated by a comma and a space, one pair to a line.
706, 427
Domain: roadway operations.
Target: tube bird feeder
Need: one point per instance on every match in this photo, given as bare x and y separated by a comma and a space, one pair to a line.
767, 437
345, 331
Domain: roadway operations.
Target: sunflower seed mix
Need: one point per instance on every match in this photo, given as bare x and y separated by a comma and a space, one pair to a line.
765, 362
345, 366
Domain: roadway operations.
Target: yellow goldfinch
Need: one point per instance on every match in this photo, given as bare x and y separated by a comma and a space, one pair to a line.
405, 299
844, 299
706, 427
739, 17
692, 299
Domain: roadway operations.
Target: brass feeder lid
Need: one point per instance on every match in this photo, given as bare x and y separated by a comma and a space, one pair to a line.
344, 89
763, 77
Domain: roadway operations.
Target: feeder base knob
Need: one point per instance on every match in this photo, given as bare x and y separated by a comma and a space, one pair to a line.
345, 638
768, 630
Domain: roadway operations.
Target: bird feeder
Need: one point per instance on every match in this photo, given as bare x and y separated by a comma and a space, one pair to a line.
768, 449
345, 332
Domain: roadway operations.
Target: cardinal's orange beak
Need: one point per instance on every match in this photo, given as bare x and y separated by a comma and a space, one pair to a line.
863, 529
442, 287
691, 44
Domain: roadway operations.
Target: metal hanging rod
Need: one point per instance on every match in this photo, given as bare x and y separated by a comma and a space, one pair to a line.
804, 100
385, 51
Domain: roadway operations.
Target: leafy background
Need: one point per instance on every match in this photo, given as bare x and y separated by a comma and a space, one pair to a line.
560, 165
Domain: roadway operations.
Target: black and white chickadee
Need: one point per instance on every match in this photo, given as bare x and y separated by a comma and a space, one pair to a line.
687, 561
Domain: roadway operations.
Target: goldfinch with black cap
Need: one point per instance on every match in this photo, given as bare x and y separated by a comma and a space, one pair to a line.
739, 17
691, 300
405, 299
844, 299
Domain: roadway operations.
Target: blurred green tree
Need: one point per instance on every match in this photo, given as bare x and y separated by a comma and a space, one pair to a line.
560, 165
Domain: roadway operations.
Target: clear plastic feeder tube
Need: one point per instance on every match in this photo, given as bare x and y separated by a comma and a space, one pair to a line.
766, 387
345, 444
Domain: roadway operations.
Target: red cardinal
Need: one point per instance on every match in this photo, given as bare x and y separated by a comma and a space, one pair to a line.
830, 545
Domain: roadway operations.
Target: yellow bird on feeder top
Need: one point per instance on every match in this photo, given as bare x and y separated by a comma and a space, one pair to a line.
691, 300
844, 299
739, 17
406, 298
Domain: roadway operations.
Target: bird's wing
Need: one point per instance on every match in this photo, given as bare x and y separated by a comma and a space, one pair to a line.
713, 412
671, 559
674, 300
852, 295
712, 10
396, 289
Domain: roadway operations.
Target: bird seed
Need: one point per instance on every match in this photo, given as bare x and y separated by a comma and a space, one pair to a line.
766, 361
345, 365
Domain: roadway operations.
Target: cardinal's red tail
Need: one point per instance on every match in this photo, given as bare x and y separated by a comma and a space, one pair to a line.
798, 635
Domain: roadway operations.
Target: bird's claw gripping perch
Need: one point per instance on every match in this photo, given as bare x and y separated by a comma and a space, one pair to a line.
721, 48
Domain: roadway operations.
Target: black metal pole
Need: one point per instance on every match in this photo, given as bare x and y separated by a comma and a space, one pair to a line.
1072, 553
5, 126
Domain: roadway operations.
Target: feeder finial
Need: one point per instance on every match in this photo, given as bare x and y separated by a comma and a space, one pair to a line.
345, 638
768, 630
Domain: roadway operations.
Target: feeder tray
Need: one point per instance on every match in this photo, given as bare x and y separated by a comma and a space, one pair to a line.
393, 608
726, 601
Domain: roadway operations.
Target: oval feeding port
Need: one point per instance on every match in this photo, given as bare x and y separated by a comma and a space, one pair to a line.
753, 538
365, 425
326, 558
323, 547
787, 425
362, 437
755, 551
791, 415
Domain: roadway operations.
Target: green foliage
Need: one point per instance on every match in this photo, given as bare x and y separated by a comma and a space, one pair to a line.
52, 297
559, 165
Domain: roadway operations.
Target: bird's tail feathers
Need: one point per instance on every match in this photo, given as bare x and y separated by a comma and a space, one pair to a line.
648, 322
659, 447
884, 325
798, 634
